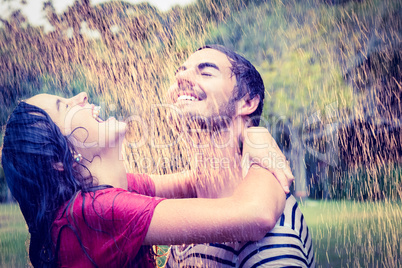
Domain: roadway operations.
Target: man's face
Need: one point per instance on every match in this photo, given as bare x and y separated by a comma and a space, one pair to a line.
204, 87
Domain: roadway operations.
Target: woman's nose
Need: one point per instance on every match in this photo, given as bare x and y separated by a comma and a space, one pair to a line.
79, 99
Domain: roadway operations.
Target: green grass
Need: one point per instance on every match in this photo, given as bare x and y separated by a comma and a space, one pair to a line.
345, 234
13, 237
355, 234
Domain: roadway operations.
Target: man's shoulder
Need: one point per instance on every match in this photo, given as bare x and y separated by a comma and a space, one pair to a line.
292, 217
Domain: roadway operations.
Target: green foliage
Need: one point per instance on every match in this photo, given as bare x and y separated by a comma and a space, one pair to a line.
377, 183
304, 50
307, 53
293, 59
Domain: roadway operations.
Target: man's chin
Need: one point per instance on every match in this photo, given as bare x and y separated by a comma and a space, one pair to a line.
196, 121
211, 123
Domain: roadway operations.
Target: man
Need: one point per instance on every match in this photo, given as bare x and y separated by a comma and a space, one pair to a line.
222, 93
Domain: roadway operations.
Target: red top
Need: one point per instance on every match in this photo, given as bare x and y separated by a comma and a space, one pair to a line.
112, 228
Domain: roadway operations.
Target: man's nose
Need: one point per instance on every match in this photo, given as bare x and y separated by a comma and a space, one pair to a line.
79, 99
185, 77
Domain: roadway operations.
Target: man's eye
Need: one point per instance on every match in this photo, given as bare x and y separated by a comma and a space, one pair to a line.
206, 74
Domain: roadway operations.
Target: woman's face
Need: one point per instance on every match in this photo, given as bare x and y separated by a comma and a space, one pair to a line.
79, 118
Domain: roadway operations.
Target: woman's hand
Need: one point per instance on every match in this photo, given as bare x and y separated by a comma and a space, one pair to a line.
259, 147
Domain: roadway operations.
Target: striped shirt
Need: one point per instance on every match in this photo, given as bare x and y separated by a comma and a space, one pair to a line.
288, 244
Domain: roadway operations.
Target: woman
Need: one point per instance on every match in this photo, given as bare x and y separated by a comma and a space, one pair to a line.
62, 165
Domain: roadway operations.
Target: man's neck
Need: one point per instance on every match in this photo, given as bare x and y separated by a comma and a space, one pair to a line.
217, 155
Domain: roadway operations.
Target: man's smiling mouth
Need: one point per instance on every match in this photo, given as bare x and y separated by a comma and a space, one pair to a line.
187, 97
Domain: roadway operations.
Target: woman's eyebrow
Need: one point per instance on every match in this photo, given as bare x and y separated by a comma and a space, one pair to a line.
58, 104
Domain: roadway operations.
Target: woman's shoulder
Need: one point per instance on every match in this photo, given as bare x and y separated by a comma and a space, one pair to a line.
140, 183
83, 199
108, 203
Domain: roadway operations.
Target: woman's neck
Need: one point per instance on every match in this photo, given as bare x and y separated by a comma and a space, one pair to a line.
108, 168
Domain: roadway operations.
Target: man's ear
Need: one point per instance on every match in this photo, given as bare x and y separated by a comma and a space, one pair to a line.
247, 106
58, 166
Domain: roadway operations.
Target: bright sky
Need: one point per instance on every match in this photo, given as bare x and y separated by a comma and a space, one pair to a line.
33, 8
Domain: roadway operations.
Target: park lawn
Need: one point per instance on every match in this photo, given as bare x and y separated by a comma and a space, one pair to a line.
13, 237
355, 234
345, 233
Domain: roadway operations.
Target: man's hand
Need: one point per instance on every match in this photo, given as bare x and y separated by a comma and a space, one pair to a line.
259, 147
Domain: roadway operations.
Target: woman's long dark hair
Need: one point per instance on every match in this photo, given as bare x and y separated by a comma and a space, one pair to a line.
33, 144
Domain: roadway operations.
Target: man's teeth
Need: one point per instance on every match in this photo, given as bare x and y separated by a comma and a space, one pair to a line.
186, 97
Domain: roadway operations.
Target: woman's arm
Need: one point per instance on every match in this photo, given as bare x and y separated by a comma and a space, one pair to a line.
248, 214
176, 185
259, 147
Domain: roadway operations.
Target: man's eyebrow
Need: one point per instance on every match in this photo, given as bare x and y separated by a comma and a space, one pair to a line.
58, 104
206, 65
200, 67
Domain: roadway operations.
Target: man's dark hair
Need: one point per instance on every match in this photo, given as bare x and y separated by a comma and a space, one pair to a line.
248, 80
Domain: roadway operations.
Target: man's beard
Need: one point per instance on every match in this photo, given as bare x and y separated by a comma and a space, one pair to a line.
212, 123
